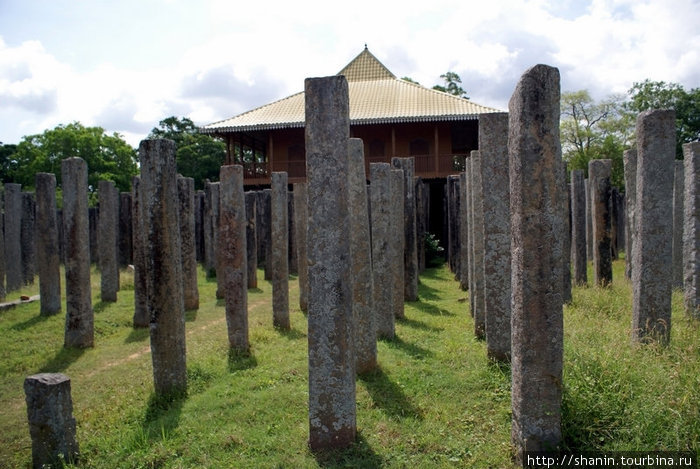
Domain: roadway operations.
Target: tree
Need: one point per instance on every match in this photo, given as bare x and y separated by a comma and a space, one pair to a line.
661, 95
198, 155
7, 161
108, 157
452, 85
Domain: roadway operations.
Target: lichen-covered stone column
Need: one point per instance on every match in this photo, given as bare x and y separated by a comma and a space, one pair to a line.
332, 407
630, 165
251, 239
382, 238
397, 180
493, 148
185, 193
292, 249
48, 263
233, 256
13, 230
536, 220
470, 230
3, 291
141, 315
279, 230
27, 238
361, 261
107, 240
163, 266
267, 232
599, 172
477, 235
126, 226
677, 248
410, 252
51, 421
79, 314
651, 255
301, 219
452, 241
691, 228
578, 227
421, 222
566, 233
589, 221
464, 232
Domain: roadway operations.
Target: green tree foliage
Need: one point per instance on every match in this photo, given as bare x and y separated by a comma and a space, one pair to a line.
108, 157
198, 156
453, 85
661, 95
7, 161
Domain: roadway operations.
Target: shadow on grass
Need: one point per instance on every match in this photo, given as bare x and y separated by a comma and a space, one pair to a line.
388, 396
429, 308
429, 293
33, 321
291, 334
239, 360
415, 351
359, 454
191, 315
137, 334
162, 415
254, 290
63, 358
102, 305
415, 324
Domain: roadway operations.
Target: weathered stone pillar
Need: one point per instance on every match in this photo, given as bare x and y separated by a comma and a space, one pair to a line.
141, 314
233, 256
211, 214
301, 218
691, 228
677, 248
410, 249
599, 172
589, 221
361, 261
292, 248
578, 227
452, 233
332, 407
3, 292
61, 237
79, 313
215, 211
464, 232
51, 421
470, 229
13, 233
493, 151
126, 227
27, 238
267, 232
383, 246
421, 223
199, 225
630, 162
185, 192
477, 235
613, 222
651, 257
107, 240
457, 209
251, 239
536, 220
397, 180
279, 230
48, 263
566, 208
164, 268
93, 215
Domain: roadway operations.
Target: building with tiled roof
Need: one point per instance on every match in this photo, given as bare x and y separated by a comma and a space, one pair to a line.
394, 117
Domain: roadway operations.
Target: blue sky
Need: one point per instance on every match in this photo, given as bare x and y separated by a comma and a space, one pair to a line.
126, 65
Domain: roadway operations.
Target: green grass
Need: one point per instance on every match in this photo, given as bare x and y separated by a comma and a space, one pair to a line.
435, 401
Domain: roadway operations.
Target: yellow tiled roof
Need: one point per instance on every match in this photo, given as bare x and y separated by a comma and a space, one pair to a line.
376, 96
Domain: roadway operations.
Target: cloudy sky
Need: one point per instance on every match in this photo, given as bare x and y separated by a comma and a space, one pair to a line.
125, 65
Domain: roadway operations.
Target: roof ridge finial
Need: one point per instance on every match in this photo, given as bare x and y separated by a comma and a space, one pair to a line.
365, 46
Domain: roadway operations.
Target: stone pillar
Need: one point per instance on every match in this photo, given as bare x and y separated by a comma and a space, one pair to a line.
566, 208
361, 261
332, 407
477, 236
79, 313
126, 226
141, 314
107, 240
410, 250
651, 257
48, 263
691, 229
578, 227
251, 240
3, 292
589, 221
421, 223
470, 230
211, 204
457, 208
13, 230
396, 200
301, 216
279, 230
27, 238
292, 248
613, 222
93, 215
599, 172
185, 192
267, 232
630, 162
677, 248
233, 256
493, 151
383, 242
164, 268
536, 220
51, 421
464, 232
452, 241
61, 237
199, 225
216, 248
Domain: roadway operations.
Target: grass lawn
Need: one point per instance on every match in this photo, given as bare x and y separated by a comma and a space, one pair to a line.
435, 401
